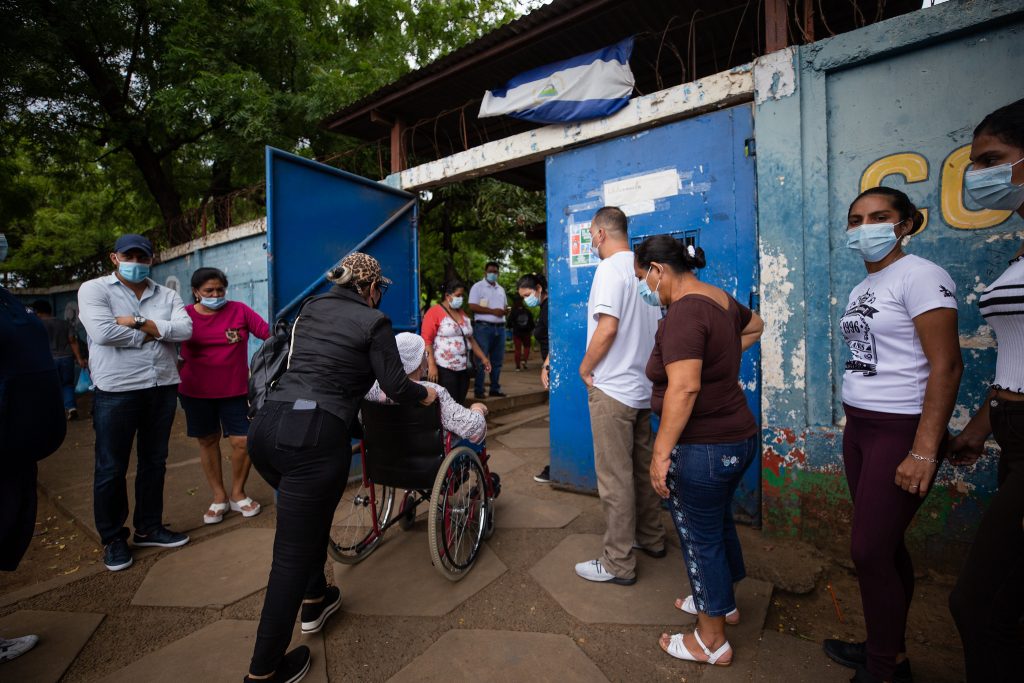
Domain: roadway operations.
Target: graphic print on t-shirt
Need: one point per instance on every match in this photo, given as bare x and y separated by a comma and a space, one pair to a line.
857, 331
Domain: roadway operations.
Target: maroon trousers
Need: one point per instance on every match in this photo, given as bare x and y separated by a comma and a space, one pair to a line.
874, 445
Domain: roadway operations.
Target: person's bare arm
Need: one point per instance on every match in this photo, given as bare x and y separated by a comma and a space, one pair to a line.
752, 332
600, 343
937, 330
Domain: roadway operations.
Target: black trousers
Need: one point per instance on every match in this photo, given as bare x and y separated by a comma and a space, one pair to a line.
988, 600
455, 381
17, 511
305, 455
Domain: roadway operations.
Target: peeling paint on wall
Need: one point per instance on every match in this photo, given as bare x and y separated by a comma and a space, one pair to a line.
776, 309
774, 76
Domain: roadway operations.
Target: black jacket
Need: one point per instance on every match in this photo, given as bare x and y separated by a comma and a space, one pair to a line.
340, 347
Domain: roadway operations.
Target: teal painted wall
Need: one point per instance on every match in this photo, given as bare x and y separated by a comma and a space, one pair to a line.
894, 103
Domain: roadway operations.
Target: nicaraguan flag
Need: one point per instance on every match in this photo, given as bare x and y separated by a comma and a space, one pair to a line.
585, 87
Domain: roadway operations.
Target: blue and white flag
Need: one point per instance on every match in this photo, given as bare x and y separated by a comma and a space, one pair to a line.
585, 87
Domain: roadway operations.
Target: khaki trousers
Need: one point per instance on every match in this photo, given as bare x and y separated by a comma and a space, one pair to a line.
622, 458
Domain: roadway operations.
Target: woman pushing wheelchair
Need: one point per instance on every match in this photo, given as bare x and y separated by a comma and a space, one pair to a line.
300, 443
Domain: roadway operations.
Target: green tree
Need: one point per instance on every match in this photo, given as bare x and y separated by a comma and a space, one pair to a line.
464, 226
172, 101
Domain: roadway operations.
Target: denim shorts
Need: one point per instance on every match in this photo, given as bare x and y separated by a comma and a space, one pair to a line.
206, 416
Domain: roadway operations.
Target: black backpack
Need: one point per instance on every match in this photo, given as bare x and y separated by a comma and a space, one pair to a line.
270, 361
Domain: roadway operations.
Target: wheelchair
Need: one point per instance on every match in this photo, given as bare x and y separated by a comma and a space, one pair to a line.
405, 449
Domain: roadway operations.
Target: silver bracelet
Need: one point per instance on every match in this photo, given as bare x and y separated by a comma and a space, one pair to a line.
915, 456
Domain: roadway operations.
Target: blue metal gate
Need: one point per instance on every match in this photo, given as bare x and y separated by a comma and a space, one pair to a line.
693, 179
317, 214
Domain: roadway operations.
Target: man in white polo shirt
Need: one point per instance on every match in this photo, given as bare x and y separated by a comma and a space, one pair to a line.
620, 337
489, 305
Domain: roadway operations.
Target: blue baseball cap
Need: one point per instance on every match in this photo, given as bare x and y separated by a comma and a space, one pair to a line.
126, 243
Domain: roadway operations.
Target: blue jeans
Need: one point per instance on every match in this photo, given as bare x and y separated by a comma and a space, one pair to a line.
66, 372
491, 339
701, 481
117, 417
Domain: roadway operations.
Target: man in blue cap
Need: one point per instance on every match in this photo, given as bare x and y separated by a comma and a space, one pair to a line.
133, 325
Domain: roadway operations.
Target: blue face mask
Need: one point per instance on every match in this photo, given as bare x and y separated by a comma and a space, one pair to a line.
133, 272
3, 247
993, 188
532, 301
647, 294
873, 241
492, 277
456, 302
214, 302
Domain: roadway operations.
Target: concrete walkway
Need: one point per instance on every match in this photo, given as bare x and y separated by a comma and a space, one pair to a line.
520, 614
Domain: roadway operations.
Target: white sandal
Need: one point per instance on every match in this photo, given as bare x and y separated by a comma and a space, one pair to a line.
690, 607
237, 505
677, 648
219, 509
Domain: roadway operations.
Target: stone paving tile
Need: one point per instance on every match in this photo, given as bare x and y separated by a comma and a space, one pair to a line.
218, 652
520, 511
649, 601
502, 460
216, 572
795, 660
527, 437
468, 655
62, 635
399, 580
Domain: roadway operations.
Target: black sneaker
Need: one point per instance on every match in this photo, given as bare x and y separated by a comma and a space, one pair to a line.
855, 656
292, 668
161, 537
72, 414
315, 614
497, 394
117, 555
545, 475
478, 396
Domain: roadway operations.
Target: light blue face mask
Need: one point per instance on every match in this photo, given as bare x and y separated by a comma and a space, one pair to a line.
873, 241
3, 247
993, 187
492, 277
456, 302
214, 302
532, 301
647, 294
133, 272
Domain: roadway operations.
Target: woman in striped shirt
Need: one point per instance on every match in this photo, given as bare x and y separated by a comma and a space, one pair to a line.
988, 600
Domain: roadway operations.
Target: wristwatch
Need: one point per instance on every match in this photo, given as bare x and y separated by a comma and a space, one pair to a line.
139, 321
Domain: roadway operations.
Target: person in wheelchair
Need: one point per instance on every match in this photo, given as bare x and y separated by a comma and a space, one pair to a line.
299, 441
469, 424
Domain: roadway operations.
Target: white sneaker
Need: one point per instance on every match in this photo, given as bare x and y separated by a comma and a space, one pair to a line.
16, 647
593, 570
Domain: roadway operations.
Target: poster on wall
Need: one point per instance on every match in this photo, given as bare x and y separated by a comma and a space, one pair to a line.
579, 245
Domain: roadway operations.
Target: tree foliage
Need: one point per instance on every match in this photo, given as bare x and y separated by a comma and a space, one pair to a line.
156, 110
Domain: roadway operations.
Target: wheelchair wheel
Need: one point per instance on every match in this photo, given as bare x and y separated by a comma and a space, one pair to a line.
353, 536
459, 513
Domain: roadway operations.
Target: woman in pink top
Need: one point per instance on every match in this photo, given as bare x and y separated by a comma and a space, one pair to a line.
215, 386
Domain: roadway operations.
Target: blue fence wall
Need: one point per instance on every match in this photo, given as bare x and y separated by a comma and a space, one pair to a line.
895, 104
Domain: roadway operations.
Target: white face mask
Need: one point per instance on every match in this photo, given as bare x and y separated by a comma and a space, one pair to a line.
993, 187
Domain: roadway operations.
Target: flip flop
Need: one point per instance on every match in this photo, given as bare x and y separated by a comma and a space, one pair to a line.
237, 505
219, 509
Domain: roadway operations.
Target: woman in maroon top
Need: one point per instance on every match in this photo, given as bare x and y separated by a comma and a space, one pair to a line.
215, 385
707, 436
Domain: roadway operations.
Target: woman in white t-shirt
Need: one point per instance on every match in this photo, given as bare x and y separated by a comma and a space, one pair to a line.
899, 388
988, 600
